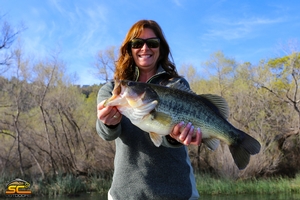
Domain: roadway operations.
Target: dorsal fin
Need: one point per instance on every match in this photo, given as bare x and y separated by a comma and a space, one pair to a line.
177, 84
219, 103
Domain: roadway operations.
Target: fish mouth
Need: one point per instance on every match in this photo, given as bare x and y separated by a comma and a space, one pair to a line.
138, 94
112, 101
125, 93
130, 94
115, 99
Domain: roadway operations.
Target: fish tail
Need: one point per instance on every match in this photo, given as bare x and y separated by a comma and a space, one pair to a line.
242, 150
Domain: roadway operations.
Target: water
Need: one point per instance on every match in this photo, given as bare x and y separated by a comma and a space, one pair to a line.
96, 196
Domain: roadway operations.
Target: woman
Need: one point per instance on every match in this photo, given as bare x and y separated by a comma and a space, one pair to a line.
142, 170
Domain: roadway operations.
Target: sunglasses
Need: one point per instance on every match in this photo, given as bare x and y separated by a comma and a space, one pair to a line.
137, 43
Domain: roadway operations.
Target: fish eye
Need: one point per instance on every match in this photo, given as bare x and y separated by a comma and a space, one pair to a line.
131, 83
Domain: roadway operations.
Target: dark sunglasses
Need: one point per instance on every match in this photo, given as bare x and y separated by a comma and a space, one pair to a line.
137, 43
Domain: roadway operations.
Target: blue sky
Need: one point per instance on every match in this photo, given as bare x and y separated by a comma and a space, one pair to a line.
246, 30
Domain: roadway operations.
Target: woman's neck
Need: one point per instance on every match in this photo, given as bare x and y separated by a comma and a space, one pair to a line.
145, 75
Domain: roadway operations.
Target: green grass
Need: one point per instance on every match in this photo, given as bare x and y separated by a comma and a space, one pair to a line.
206, 185
61, 185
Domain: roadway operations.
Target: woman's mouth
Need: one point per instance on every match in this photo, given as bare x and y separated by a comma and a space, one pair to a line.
145, 56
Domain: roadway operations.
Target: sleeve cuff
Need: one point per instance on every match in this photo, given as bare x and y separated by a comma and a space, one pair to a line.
168, 141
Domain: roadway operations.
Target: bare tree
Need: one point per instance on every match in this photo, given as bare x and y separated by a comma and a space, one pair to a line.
18, 104
105, 63
7, 37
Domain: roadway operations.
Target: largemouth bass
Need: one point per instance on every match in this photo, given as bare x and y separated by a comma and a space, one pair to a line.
156, 109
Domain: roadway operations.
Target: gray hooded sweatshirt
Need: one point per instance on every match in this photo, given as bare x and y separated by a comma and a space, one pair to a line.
142, 170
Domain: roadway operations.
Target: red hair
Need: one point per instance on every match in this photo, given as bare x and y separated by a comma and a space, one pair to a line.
125, 65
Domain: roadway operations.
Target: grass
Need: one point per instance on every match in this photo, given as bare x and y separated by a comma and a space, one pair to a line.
62, 185
207, 185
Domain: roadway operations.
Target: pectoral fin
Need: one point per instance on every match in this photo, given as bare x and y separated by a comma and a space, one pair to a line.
156, 139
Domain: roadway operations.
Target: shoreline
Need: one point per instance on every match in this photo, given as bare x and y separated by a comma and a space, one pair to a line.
72, 186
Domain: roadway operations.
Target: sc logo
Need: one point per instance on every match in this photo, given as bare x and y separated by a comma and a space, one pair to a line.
18, 188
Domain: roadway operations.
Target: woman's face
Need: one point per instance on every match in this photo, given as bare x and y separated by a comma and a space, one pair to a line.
146, 58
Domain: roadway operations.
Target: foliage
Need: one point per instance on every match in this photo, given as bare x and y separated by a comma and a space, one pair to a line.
47, 124
264, 102
63, 185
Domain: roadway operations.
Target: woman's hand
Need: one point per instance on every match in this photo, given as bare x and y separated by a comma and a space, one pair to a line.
109, 115
185, 135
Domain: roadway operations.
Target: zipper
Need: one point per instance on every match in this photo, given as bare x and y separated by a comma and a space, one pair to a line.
137, 71
155, 76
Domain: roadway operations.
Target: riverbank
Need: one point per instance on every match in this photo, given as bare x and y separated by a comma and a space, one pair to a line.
70, 185
63, 185
207, 185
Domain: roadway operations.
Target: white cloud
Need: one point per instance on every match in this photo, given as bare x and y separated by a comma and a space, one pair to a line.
230, 29
177, 2
57, 6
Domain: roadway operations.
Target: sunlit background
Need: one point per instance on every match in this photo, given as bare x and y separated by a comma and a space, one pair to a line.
248, 30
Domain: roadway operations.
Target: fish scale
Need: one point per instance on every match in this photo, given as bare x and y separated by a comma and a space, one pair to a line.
157, 109
198, 116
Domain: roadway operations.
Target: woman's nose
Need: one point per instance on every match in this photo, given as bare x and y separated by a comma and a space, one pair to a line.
145, 46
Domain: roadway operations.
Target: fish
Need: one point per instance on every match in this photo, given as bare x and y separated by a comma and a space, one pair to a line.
156, 109
19, 181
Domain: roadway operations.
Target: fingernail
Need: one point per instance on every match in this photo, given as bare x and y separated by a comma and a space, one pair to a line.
181, 123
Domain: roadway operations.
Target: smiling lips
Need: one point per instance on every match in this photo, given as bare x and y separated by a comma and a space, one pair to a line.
145, 56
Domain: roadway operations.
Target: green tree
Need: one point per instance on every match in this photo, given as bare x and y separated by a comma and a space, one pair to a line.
221, 71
